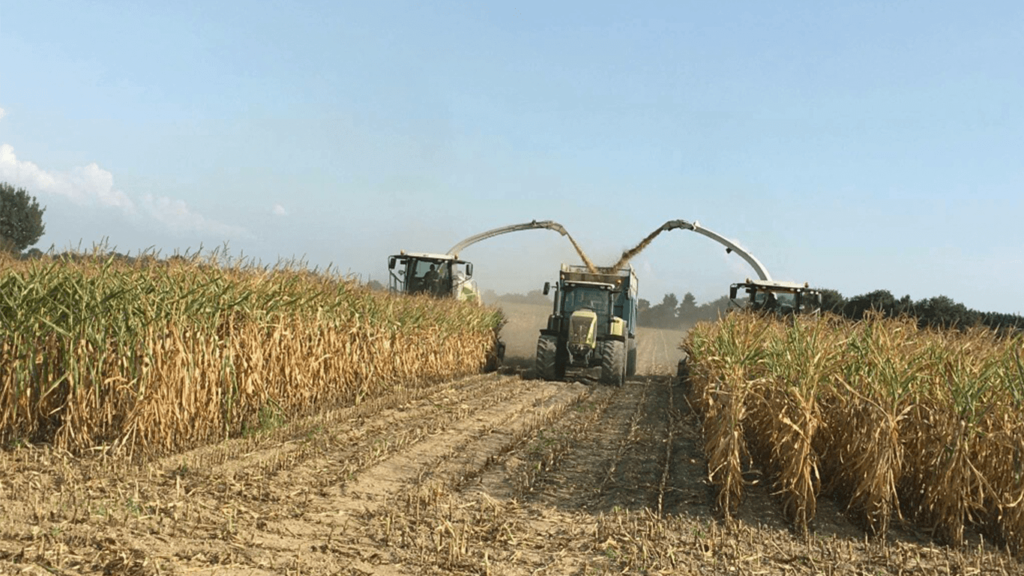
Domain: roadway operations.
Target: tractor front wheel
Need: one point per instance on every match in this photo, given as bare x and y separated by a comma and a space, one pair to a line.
613, 362
547, 353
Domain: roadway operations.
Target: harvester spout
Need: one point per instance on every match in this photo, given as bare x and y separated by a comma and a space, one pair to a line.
674, 224
532, 225
730, 246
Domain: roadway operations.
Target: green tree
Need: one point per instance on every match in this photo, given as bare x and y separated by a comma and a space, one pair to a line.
21, 219
832, 300
642, 306
880, 300
688, 307
662, 315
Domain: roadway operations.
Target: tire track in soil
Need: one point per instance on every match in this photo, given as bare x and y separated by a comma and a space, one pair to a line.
591, 475
324, 507
328, 452
273, 452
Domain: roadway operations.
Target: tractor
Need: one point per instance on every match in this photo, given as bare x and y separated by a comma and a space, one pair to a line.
593, 324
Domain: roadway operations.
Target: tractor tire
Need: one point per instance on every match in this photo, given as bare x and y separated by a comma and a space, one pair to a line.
495, 357
631, 358
547, 353
561, 360
613, 362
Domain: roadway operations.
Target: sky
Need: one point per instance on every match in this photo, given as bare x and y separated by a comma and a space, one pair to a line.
855, 146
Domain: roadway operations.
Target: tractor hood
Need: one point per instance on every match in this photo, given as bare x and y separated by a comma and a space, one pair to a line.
582, 330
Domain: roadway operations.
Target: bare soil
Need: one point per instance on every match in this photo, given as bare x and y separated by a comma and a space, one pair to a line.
493, 474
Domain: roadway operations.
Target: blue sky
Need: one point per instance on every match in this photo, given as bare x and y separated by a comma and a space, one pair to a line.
856, 146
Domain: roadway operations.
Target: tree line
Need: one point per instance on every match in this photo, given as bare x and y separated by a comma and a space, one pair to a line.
937, 311
675, 314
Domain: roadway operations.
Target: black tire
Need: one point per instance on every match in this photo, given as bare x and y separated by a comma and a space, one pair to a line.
631, 358
547, 351
561, 359
495, 357
613, 362
683, 372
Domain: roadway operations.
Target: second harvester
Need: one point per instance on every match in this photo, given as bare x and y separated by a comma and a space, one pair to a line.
593, 324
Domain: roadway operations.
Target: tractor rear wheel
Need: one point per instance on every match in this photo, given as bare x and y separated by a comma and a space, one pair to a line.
613, 362
631, 358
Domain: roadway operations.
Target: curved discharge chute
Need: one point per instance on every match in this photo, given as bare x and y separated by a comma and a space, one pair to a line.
730, 246
533, 225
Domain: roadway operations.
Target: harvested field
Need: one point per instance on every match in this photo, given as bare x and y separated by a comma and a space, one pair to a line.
490, 474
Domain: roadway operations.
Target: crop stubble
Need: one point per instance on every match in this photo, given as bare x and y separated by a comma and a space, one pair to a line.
489, 474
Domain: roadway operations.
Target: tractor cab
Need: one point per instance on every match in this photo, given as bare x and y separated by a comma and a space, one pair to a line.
439, 275
781, 298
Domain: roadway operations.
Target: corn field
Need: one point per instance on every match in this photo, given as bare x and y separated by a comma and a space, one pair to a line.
889, 420
153, 356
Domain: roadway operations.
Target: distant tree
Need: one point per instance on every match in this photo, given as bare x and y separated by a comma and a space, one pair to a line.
905, 306
832, 300
33, 254
944, 312
879, 300
1003, 323
715, 309
489, 296
21, 219
374, 285
663, 315
642, 306
670, 301
531, 297
687, 309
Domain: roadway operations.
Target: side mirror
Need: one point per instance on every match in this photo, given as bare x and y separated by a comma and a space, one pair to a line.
732, 292
391, 263
469, 269
547, 288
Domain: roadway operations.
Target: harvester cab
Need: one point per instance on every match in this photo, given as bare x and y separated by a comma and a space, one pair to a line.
439, 275
593, 324
775, 297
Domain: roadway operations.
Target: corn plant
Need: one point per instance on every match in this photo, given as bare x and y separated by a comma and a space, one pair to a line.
884, 416
156, 355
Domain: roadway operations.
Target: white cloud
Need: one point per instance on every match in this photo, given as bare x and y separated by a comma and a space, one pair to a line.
2, 113
177, 217
278, 210
85, 186
93, 186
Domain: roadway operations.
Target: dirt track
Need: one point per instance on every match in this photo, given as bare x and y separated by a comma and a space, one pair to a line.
494, 474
